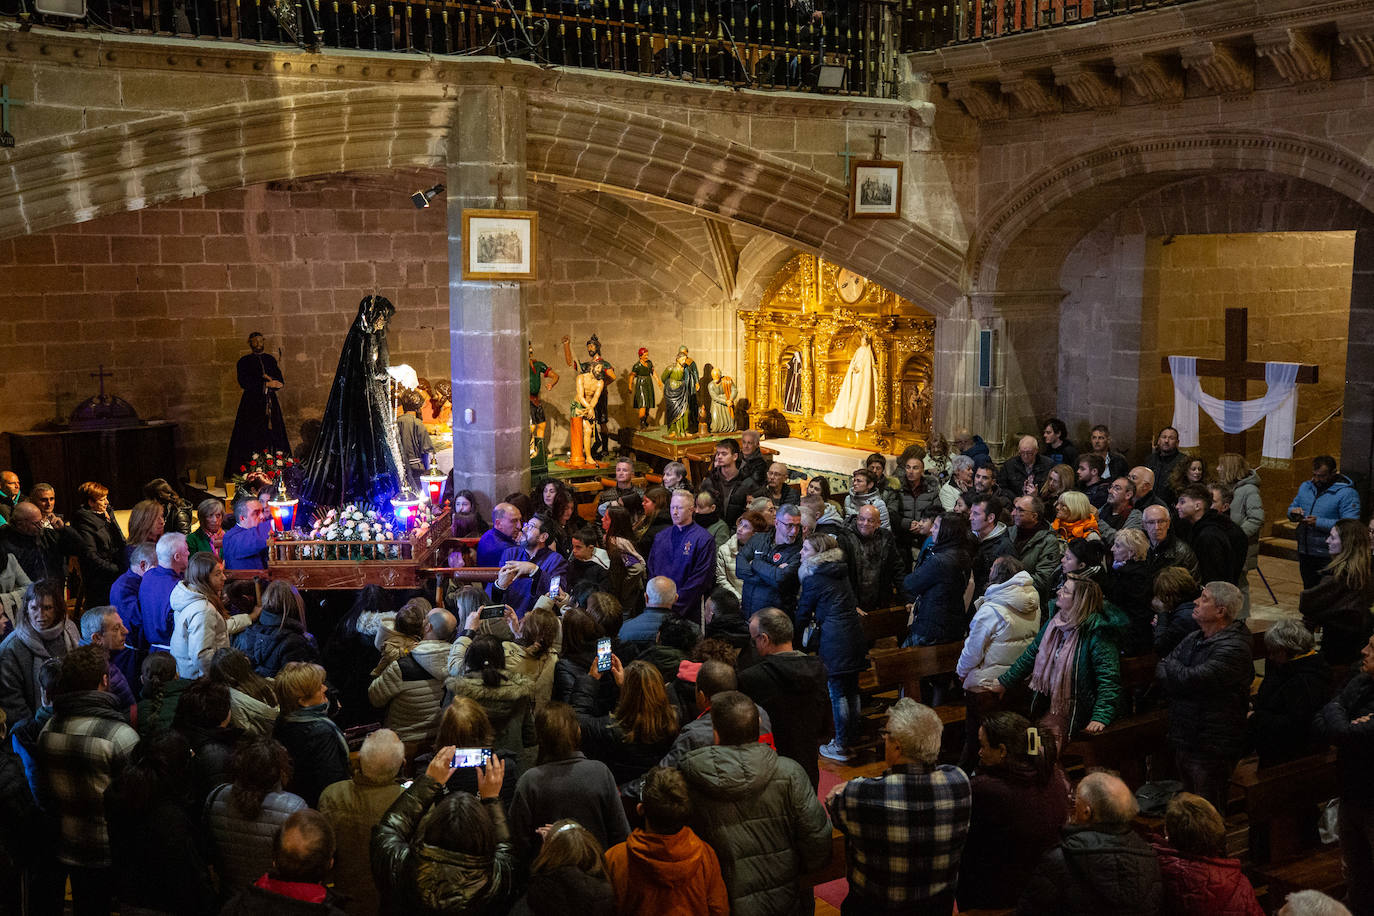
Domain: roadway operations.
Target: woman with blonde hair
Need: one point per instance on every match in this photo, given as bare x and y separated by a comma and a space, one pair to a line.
1074, 517
1339, 603
639, 732
146, 523
318, 750
1076, 680
1060, 480
201, 624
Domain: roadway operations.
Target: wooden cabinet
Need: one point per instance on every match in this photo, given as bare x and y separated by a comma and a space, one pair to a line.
122, 458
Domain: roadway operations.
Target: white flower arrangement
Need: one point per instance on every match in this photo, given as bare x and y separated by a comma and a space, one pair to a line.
353, 525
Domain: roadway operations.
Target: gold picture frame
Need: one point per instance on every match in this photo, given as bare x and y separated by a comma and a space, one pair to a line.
875, 189
500, 244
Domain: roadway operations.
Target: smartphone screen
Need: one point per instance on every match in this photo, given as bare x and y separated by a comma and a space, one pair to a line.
492, 611
603, 654
553, 586
470, 757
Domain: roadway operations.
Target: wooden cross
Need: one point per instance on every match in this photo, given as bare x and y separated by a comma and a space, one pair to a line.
846, 156
102, 375
500, 182
1237, 370
6, 138
878, 138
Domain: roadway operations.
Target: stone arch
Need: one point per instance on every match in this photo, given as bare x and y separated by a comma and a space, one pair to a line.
621, 151
131, 165
1022, 242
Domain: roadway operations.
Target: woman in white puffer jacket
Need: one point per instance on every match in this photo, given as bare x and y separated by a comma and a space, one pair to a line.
1005, 621
200, 624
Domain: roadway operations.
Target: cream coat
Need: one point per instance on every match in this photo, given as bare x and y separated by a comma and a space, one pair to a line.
1005, 621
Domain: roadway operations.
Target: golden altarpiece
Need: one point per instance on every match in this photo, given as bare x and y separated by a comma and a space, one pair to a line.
799, 342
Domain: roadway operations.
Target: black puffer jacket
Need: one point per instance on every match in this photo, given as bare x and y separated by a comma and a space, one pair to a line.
1095, 869
1208, 682
937, 586
827, 598
273, 641
1289, 696
415, 877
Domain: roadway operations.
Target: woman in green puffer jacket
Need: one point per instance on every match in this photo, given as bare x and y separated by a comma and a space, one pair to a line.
1076, 681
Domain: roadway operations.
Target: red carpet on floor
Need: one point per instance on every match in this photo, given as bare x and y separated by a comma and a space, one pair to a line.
832, 892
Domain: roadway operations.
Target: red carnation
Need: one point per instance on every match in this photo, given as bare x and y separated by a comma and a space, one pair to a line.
243, 468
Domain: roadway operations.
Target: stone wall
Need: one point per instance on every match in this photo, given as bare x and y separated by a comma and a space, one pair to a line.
1297, 287
164, 298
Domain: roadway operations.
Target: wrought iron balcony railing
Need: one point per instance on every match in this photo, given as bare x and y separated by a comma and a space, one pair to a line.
845, 46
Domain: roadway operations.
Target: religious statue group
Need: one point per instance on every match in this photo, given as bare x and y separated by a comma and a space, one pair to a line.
677, 388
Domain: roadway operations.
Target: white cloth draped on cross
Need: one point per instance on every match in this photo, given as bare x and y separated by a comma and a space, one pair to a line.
1278, 407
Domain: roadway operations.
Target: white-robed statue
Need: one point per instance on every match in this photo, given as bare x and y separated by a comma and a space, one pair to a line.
856, 405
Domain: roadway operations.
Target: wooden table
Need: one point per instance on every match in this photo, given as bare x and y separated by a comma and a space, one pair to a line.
697, 452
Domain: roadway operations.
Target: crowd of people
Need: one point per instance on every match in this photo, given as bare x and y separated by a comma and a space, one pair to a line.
630, 718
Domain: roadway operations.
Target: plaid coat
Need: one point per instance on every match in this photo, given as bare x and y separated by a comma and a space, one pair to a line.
904, 832
85, 743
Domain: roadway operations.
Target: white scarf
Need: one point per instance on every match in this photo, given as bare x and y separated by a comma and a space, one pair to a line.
1278, 407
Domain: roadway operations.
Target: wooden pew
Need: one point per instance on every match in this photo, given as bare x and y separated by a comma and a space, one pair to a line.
1284, 798
888, 623
1123, 745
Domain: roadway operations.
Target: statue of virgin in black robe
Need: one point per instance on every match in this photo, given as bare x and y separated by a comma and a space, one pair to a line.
357, 456
258, 426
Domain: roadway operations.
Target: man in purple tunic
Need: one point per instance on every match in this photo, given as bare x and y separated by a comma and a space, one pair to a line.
685, 553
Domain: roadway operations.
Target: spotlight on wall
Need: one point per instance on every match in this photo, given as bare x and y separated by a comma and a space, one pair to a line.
421, 199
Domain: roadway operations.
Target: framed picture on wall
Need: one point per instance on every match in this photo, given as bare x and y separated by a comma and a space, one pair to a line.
875, 189
500, 244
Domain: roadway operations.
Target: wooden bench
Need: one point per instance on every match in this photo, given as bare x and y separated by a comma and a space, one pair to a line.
888, 623
1284, 799
1122, 746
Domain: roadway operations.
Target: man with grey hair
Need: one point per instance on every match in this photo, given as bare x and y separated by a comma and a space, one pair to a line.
155, 591
767, 569
905, 830
1297, 683
752, 462
1207, 678
1101, 864
1166, 548
411, 688
1145, 485
660, 594
791, 687
101, 626
354, 806
756, 810
1028, 462
1312, 903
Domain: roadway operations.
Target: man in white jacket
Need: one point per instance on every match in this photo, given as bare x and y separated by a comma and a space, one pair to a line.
1005, 621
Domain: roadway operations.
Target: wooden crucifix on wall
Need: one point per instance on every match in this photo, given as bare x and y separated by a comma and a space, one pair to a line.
1236, 369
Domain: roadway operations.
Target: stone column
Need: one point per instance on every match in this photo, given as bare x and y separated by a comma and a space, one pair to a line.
1027, 362
487, 324
957, 400
1357, 419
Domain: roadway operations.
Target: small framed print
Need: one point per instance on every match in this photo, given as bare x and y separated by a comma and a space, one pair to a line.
875, 189
500, 244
